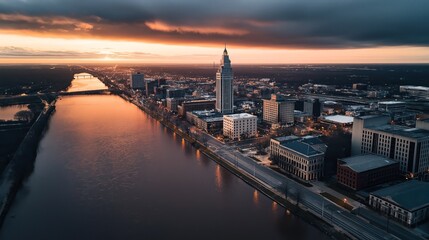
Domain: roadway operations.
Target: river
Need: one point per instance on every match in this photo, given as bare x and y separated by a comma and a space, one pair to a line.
106, 170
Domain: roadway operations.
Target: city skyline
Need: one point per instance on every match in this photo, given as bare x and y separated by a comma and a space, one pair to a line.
190, 32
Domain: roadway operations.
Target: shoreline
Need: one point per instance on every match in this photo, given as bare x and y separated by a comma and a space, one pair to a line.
22, 163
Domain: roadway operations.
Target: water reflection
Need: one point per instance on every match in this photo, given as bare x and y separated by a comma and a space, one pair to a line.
274, 206
105, 170
218, 178
183, 144
85, 82
8, 112
255, 197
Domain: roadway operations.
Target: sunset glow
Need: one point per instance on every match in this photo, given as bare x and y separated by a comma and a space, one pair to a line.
192, 32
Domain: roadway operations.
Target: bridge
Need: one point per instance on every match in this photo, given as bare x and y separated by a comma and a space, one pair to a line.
83, 75
89, 92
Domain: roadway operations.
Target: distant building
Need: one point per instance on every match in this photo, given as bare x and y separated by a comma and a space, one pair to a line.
409, 146
406, 202
278, 110
301, 117
313, 107
137, 80
302, 157
176, 93
423, 124
150, 86
392, 106
363, 171
172, 103
360, 86
237, 126
338, 120
195, 105
210, 121
416, 91
224, 91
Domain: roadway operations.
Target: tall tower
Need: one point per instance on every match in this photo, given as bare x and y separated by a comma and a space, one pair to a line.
224, 91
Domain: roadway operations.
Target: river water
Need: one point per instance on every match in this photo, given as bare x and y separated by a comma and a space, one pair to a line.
106, 170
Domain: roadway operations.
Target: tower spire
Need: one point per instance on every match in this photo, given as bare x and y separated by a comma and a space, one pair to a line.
225, 52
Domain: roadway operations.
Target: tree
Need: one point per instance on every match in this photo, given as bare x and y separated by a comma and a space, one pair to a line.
24, 115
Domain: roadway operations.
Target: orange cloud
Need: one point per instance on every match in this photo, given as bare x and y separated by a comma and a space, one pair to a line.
164, 27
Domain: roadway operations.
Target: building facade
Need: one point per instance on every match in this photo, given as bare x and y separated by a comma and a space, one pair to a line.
224, 91
392, 106
137, 80
363, 171
302, 157
210, 121
406, 202
278, 110
237, 126
195, 105
416, 91
313, 107
408, 146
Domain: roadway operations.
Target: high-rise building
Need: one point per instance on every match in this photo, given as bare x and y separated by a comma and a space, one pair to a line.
409, 146
278, 110
313, 107
150, 87
224, 91
137, 80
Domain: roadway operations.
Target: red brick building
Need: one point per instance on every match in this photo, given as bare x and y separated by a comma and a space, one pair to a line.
367, 170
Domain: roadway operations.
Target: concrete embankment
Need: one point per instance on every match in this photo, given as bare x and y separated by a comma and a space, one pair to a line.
251, 180
21, 165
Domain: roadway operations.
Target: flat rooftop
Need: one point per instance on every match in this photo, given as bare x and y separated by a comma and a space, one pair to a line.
339, 119
207, 114
240, 116
391, 102
410, 195
420, 88
366, 162
403, 131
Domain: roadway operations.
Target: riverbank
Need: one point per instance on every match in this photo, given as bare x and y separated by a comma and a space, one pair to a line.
21, 165
249, 179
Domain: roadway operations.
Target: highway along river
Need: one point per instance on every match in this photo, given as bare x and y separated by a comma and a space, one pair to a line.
106, 170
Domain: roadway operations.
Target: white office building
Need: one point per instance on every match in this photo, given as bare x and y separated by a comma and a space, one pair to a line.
224, 91
409, 146
237, 126
137, 80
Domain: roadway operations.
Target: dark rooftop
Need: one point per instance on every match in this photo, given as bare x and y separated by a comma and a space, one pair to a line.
410, 195
303, 146
366, 162
403, 131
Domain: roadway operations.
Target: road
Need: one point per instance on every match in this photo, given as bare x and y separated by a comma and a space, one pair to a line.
317, 204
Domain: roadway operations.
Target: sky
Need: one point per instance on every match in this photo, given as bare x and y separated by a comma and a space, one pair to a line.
195, 31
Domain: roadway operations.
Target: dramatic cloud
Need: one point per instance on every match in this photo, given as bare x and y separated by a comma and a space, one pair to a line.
273, 23
17, 52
